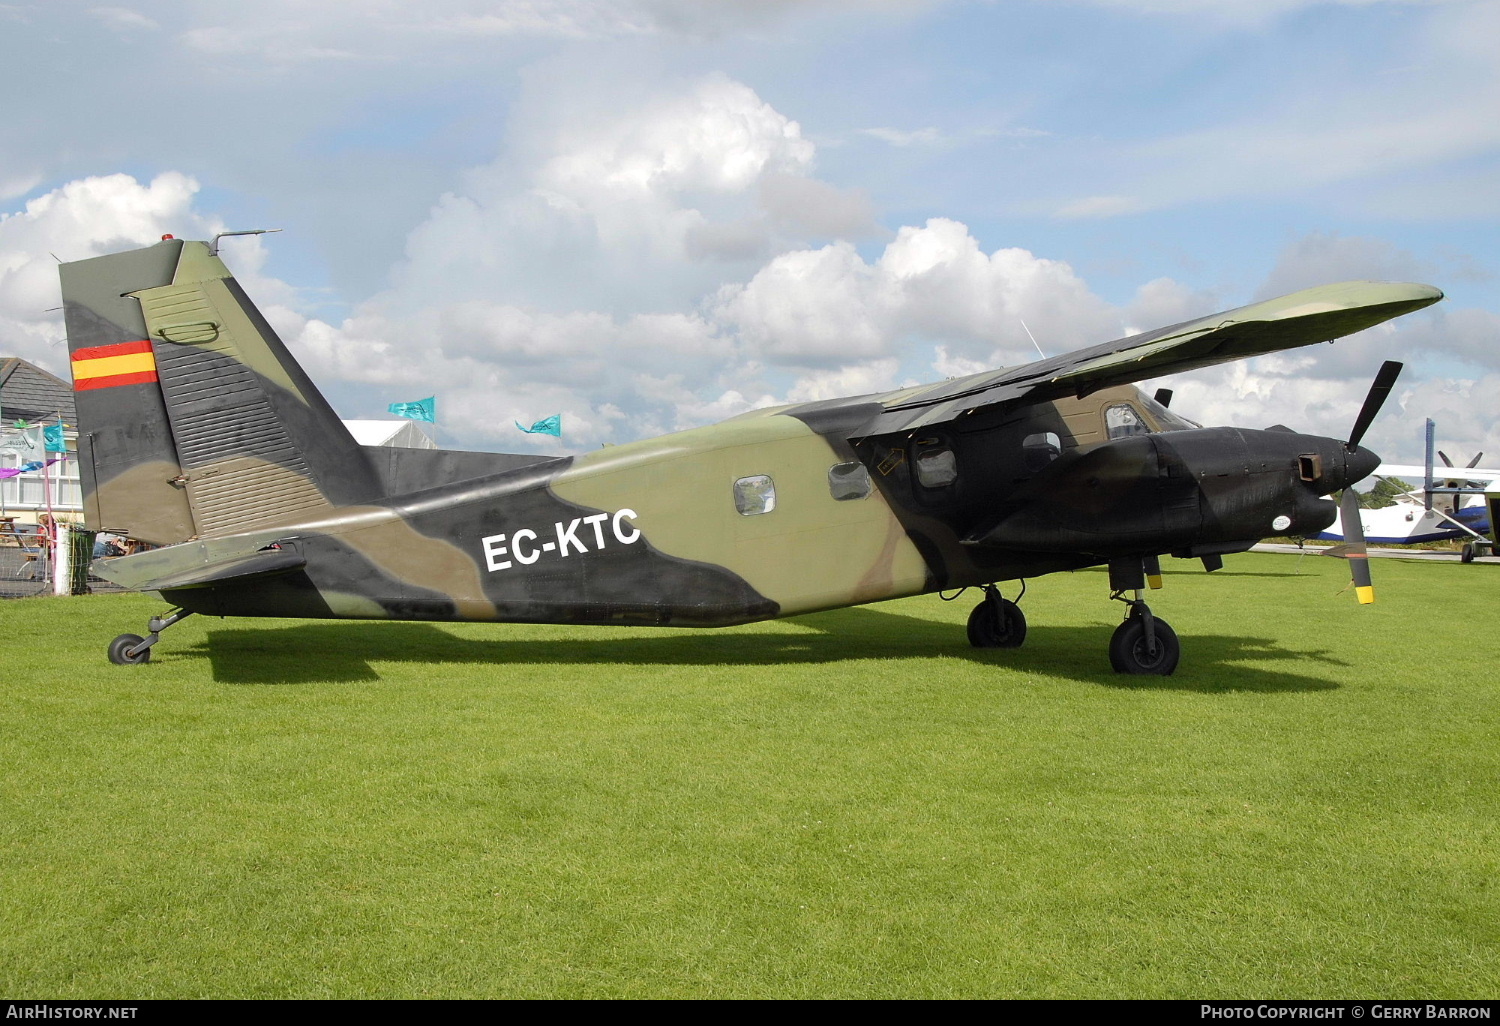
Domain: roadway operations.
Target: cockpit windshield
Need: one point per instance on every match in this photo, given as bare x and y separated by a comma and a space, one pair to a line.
1168, 420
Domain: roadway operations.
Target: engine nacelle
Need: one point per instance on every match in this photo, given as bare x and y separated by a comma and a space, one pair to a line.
1177, 490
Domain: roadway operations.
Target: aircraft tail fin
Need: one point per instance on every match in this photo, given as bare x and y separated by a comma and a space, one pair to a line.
194, 419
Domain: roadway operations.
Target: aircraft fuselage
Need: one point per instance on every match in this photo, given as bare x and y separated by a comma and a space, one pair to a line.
766, 516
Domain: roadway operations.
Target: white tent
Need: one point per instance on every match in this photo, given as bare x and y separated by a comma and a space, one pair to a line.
402, 434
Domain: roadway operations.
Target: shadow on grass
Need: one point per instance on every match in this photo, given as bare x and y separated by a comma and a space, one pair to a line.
344, 652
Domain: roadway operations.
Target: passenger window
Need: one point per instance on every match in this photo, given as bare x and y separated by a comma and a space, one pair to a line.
848, 481
753, 495
936, 468
1122, 421
1039, 450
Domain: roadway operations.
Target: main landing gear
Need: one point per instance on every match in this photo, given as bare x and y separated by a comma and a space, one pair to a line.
1144, 643
132, 649
997, 622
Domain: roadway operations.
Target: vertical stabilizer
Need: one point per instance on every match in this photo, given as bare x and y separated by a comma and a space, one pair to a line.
208, 415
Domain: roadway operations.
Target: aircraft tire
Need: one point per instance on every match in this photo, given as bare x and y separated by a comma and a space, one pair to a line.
990, 627
1127, 648
120, 654
1466, 554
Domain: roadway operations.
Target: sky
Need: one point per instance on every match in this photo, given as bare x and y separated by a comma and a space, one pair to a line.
648, 215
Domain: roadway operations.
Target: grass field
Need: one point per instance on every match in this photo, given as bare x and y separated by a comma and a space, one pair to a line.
849, 804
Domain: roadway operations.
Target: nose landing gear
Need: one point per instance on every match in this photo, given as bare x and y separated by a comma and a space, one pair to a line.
1144, 643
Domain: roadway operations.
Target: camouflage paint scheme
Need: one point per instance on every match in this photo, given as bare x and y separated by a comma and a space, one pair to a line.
219, 448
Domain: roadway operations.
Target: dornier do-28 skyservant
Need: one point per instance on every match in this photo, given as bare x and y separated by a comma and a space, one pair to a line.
199, 432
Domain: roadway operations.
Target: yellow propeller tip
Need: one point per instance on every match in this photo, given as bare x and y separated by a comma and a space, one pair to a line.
1366, 595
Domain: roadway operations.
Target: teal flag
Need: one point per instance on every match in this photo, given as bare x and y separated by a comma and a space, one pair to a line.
422, 409
53, 433
548, 426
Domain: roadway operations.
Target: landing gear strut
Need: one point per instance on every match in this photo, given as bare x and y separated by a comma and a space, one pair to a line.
132, 649
996, 622
1144, 643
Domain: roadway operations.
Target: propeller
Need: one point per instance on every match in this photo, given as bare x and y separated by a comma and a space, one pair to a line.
1354, 546
1354, 530
1379, 390
1467, 466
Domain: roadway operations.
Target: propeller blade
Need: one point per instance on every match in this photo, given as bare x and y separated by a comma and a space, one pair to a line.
1384, 379
1444, 457
1354, 542
1474, 462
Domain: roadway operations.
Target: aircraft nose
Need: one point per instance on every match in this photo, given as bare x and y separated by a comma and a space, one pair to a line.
1342, 466
1359, 464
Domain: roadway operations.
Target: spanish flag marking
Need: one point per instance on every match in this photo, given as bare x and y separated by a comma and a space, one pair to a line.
126, 363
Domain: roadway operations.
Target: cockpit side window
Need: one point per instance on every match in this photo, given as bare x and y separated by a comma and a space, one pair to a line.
1040, 449
1121, 421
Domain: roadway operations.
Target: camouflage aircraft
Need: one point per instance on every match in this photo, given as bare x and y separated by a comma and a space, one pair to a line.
199, 432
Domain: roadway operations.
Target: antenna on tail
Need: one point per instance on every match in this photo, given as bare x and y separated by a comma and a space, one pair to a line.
213, 247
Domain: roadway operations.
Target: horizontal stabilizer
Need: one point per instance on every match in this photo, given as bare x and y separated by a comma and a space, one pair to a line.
265, 563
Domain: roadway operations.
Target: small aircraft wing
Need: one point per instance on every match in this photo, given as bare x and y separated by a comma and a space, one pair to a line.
1415, 474
1313, 315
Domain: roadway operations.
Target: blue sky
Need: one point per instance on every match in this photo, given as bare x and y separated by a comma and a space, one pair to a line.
652, 213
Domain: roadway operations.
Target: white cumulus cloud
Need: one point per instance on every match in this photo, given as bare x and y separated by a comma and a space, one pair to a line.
668, 259
84, 218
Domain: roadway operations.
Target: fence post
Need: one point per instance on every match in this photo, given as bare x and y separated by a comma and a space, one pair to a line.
61, 558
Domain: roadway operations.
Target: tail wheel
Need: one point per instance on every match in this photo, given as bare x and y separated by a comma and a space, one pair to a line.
126, 650
1130, 653
997, 624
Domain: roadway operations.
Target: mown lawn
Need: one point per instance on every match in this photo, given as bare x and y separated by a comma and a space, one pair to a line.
850, 804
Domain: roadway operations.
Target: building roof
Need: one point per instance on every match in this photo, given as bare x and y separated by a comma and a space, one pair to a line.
402, 434
29, 393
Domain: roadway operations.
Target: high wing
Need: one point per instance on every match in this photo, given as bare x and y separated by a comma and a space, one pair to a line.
1416, 474
1313, 315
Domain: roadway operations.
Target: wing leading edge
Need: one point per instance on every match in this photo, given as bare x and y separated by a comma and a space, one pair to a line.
1313, 315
